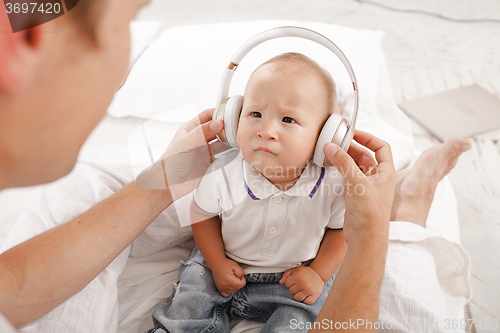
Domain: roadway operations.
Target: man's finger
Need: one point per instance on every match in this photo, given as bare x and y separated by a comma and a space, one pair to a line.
199, 119
211, 129
204, 117
381, 148
343, 162
362, 157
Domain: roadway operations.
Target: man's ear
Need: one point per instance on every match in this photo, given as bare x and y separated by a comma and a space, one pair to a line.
20, 55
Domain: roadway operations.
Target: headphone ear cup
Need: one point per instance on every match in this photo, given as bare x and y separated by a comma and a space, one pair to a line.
229, 111
334, 130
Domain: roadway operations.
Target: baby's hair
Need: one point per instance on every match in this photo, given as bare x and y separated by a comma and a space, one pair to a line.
311, 65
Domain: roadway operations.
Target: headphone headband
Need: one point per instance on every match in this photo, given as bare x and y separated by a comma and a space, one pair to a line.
289, 31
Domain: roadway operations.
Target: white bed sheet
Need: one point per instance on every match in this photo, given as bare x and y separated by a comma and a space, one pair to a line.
152, 261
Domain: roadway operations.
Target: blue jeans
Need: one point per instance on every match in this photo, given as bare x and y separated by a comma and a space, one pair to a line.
196, 304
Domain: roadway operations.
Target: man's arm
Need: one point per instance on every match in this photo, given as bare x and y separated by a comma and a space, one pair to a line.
44, 271
355, 293
41, 273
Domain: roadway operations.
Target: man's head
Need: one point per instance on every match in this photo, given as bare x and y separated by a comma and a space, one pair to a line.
56, 81
287, 101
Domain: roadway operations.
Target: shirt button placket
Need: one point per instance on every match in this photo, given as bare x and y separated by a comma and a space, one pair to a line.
274, 225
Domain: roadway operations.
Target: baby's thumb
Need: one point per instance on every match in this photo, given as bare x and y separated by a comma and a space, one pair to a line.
341, 160
239, 274
238, 271
286, 275
242, 282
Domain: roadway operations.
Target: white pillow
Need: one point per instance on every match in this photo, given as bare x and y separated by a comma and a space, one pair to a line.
179, 74
142, 33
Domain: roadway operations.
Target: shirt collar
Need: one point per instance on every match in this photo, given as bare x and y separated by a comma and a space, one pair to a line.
258, 187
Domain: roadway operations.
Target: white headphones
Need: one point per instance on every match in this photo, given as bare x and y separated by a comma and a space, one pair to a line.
228, 109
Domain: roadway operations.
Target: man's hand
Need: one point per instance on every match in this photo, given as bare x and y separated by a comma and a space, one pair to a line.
303, 283
186, 159
370, 183
228, 277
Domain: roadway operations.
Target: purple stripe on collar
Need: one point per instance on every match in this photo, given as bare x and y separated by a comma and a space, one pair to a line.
249, 191
318, 183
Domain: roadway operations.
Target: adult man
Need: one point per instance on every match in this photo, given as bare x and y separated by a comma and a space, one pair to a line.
56, 81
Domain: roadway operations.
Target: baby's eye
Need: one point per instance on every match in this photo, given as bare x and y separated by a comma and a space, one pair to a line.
256, 114
288, 120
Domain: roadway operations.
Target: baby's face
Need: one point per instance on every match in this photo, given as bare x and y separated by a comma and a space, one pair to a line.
280, 121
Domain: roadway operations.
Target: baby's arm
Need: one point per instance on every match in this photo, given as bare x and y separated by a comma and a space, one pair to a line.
306, 282
227, 274
330, 255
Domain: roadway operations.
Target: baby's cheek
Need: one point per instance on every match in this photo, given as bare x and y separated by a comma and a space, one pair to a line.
245, 154
241, 132
244, 146
241, 144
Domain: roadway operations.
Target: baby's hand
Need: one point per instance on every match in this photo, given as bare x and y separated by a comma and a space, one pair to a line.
228, 277
303, 283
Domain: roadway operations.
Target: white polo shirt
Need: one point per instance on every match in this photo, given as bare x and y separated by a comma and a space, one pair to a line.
264, 229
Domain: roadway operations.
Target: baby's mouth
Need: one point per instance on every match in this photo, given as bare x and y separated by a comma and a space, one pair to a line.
266, 150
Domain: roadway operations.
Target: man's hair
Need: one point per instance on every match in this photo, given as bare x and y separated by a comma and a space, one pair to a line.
286, 58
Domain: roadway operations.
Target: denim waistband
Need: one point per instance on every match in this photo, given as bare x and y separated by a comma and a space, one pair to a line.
264, 277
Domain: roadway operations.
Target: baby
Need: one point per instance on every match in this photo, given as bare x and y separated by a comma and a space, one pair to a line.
272, 254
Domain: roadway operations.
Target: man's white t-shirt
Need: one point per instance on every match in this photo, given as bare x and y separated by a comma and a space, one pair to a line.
5, 326
265, 229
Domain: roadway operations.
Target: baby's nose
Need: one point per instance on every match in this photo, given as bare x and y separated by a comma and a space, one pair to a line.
268, 131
